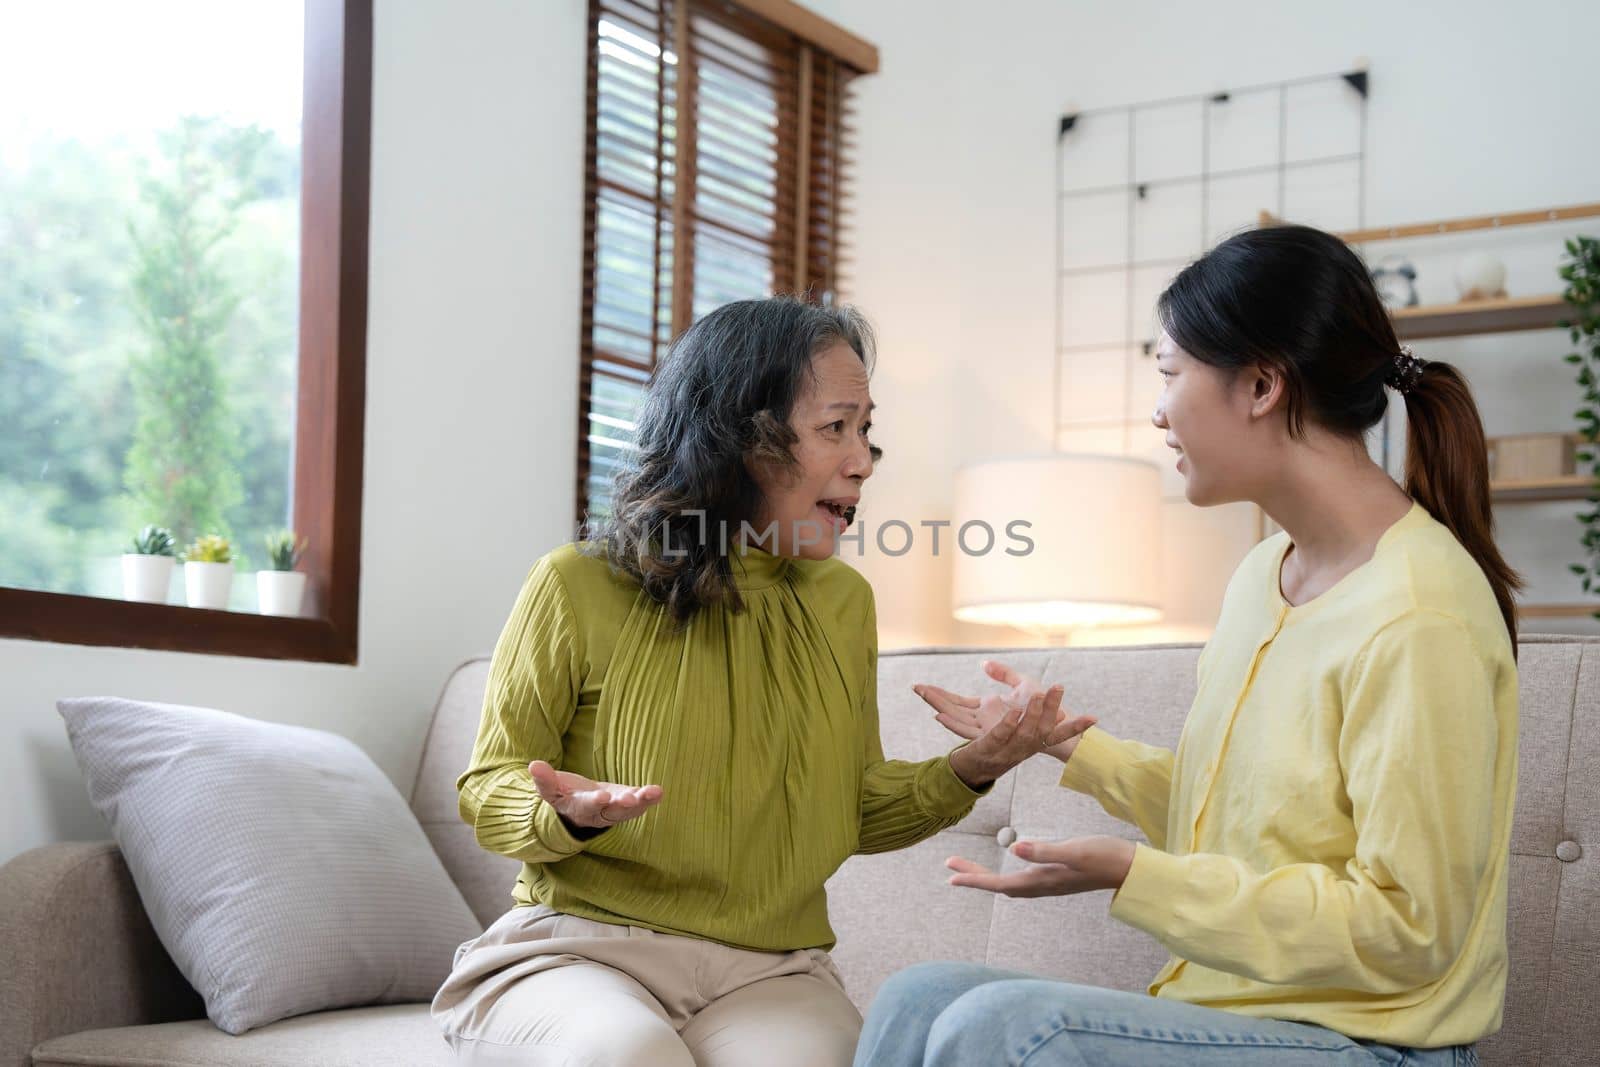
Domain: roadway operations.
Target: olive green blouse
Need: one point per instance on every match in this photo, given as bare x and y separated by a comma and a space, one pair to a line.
761, 727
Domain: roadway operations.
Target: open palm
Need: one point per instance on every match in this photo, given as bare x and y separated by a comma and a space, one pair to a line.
585, 802
971, 716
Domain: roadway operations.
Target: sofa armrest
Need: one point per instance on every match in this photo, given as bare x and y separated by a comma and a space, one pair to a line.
80, 952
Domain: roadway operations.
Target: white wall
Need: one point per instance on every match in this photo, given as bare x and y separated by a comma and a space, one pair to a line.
1476, 107
471, 373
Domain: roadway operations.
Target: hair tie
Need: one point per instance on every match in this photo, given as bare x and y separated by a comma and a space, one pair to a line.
1406, 371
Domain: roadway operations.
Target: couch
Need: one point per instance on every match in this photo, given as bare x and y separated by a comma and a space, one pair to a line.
85, 981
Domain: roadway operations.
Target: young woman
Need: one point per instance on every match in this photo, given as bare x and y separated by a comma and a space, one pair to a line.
1328, 845
680, 738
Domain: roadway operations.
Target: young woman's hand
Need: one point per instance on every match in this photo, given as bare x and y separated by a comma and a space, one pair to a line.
970, 717
586, 803
1055, 869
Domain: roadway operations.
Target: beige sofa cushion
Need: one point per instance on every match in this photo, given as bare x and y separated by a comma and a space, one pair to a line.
892, 910
401, 1035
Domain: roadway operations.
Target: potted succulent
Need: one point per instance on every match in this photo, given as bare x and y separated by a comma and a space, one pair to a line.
280, 589
208, 573
147, 568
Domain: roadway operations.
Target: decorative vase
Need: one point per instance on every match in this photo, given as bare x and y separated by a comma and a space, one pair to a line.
1480, 276
207, 585
146, 578
280, 592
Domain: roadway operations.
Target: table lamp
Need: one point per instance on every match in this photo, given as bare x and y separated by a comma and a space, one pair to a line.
1095, 559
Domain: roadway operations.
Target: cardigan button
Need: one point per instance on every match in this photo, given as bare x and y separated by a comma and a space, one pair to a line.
1568, 851
1006, 837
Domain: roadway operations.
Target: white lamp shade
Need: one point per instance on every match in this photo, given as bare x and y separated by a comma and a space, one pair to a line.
1095, 524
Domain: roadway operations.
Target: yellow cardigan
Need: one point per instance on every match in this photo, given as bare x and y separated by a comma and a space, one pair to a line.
1329, 844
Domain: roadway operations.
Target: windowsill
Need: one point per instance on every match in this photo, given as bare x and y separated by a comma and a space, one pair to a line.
90, 620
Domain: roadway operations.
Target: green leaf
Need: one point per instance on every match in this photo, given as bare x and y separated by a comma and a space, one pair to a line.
1581, 273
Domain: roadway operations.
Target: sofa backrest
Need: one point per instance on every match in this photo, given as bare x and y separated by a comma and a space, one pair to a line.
484, 878
895, 909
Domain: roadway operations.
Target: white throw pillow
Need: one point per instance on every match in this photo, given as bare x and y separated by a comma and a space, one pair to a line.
281, 869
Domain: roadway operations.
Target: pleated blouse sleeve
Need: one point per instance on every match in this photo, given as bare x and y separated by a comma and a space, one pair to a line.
530, 700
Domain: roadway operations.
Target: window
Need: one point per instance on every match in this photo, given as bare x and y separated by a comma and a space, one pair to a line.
717, 143
183, 211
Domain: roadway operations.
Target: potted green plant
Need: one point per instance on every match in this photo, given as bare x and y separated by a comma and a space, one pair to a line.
1581, 272
208, 572
147, 566
280, 589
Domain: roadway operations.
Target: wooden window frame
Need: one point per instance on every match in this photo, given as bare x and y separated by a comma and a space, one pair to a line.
331, 395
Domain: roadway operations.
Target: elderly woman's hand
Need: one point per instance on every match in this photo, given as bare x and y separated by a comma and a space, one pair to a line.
1056, 868
1011, 738
583, 802
971, 717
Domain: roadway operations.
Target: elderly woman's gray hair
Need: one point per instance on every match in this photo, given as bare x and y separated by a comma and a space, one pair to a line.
720, 401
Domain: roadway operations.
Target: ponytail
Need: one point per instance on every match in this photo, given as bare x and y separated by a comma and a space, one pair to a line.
1447, 472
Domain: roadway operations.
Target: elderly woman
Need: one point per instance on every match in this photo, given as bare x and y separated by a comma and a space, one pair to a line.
680, 738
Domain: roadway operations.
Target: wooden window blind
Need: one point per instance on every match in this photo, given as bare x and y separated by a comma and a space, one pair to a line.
718, 138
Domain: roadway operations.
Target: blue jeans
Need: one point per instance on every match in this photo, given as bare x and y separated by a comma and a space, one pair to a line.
964, 1015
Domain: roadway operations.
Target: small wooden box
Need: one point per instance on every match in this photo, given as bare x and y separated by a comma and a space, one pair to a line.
1532, 457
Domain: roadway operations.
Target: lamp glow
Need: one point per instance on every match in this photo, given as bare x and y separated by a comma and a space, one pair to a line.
1095, 525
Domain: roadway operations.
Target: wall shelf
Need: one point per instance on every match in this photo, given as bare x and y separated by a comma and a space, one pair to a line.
1556, 611
1567, 487
1505, 315
1484, 316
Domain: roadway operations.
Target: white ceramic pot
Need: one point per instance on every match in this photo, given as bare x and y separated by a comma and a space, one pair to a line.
1480, 276
207, 585
146, 578
280, 592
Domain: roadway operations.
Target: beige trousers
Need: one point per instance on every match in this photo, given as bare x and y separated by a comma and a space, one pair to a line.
541, 988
